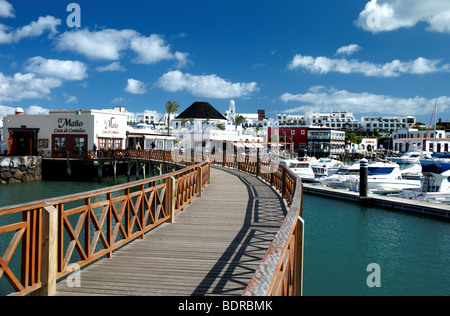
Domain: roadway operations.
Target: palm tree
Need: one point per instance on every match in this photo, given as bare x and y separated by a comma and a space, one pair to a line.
171, 107
220, 126
238, 119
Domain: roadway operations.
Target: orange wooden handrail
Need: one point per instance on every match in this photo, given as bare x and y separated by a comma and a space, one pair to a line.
93, 224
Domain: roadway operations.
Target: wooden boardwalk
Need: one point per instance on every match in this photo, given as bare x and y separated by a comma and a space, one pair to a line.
213, 248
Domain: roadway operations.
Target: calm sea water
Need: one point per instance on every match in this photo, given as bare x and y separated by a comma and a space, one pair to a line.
341, 240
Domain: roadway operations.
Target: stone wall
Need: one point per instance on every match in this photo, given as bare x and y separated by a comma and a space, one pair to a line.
20, 169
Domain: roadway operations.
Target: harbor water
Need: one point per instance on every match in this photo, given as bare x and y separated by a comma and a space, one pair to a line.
341, 240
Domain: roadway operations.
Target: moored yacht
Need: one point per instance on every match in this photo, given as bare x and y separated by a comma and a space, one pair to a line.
301, 168
384, 178
409, 163
344, 173
436, 188
325, 167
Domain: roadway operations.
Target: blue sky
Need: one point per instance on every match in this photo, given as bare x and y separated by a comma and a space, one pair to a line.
377, 57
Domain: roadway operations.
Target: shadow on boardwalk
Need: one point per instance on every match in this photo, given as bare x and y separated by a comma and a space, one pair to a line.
264, 213
213, 248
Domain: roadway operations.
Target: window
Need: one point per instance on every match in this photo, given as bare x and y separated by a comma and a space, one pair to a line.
79, 145
110, 143
102, 143
60, 144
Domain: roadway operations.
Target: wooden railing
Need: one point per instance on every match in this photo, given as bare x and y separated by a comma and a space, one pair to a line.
84, 227
92, 225
116, 154
281, 271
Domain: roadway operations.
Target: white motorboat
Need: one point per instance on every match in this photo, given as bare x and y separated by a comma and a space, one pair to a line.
301, 168
409, 163
325, 167
344, 173
436, 188
384, 178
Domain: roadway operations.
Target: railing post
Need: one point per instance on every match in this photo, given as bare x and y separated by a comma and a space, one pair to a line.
49, 265
68, 165
200, 181
299, 257
172, 195
257, 162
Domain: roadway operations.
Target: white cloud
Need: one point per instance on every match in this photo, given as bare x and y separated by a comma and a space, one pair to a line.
115, 66
31, 110
6, 9
330, 99
153, 49
70, 98
34, 29
210, 86
119, 100
107, 44
348, 50
26, 86
388, 15
6, 110
36, 110
111, 44
135, 87
64, 69
324, 65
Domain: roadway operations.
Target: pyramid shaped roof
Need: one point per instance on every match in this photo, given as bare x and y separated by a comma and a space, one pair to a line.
201, 110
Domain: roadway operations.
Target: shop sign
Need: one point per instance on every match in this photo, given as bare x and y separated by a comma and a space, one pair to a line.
69, 126
111, 126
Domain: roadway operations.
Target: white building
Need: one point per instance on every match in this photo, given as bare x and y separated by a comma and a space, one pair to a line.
386, 123
325, 141
143, 137
339, 120
427, 140
62, 132
252, 120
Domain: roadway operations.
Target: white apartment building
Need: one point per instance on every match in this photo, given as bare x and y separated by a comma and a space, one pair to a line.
386, 123
339, 120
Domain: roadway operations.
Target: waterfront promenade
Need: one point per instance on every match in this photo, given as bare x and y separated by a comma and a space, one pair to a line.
214, 247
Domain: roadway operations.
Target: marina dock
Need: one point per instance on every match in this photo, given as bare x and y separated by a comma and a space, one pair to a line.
392, 202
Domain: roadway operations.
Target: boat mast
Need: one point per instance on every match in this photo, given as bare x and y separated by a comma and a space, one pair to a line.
435, 115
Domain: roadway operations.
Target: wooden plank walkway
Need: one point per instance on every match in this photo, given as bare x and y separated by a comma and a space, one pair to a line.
213, 248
